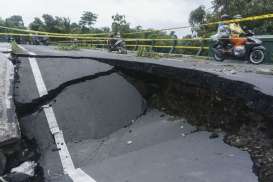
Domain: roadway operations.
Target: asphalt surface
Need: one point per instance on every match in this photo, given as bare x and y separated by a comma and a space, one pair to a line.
260, 76
108, 136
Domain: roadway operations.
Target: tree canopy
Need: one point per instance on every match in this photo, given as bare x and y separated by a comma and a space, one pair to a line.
120, 24
88, 19
15, 21
232, 8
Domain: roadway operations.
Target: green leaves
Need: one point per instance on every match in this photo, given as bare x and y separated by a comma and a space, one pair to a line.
88, 19
15, 21
233, 7
120, 24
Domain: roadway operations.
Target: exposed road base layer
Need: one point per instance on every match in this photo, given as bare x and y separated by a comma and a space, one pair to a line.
212, 109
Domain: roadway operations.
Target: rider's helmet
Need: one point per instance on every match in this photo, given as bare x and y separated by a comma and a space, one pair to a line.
225, 17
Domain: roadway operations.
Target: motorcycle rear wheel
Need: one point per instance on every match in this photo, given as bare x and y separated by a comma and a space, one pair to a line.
257, 56
218, 57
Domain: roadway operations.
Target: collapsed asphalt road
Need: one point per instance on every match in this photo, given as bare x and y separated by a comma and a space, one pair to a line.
109, 135
88, 115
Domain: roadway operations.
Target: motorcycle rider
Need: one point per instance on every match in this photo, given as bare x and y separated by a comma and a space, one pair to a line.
237, 41
223, 32
235, 27
230, 32
114, 38
237, 32
116, 43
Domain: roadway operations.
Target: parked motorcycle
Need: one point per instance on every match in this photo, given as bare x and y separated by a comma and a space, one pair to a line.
247, 48
118, 45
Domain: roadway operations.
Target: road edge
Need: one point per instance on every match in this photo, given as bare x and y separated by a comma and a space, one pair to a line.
9, 124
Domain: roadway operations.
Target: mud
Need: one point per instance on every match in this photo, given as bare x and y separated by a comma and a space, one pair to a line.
246, 127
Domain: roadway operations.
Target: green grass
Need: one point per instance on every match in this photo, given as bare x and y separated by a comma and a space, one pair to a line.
15, 49
72, 47
147, 52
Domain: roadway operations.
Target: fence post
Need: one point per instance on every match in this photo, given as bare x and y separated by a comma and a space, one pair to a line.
136, 48
174, 45
152, 46
201, 48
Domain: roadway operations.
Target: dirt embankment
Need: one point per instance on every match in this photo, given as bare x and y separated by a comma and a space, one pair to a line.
245, 117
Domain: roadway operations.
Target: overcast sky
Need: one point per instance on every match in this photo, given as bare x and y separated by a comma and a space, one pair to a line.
147, 13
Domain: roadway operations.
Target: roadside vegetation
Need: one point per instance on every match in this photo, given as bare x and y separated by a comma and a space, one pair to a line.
15, 49
65, 47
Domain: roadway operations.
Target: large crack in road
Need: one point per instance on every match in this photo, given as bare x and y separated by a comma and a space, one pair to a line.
212, 110
101, 115
75, 97
24, 109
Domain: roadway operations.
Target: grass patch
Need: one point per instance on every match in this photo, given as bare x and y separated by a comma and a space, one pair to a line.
72, 47
15, 49
147, 52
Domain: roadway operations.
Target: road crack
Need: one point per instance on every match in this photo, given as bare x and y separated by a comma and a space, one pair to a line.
24, 109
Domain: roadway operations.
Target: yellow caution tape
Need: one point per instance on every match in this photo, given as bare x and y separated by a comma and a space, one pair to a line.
251, 18
102, 38
55, 36
49, 33
159, 46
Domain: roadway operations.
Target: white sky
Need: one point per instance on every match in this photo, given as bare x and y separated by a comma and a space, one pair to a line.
147, 13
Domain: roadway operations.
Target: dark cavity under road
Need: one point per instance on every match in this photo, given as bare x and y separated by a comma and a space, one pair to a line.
113, 131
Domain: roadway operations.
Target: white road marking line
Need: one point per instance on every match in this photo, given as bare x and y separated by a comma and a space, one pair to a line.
80, 176
77, 175
66, 159
38, 76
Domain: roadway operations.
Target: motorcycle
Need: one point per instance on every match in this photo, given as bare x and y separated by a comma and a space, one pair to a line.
118, 45
248, 48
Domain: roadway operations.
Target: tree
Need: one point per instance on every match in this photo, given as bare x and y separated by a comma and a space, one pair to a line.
88, 19
247, 8
62, 24
49, 22
37, 24
2, 22
105, 29
197, 17
15, 21
75, 28
55, 24
233, 7
243, 7
120, 24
